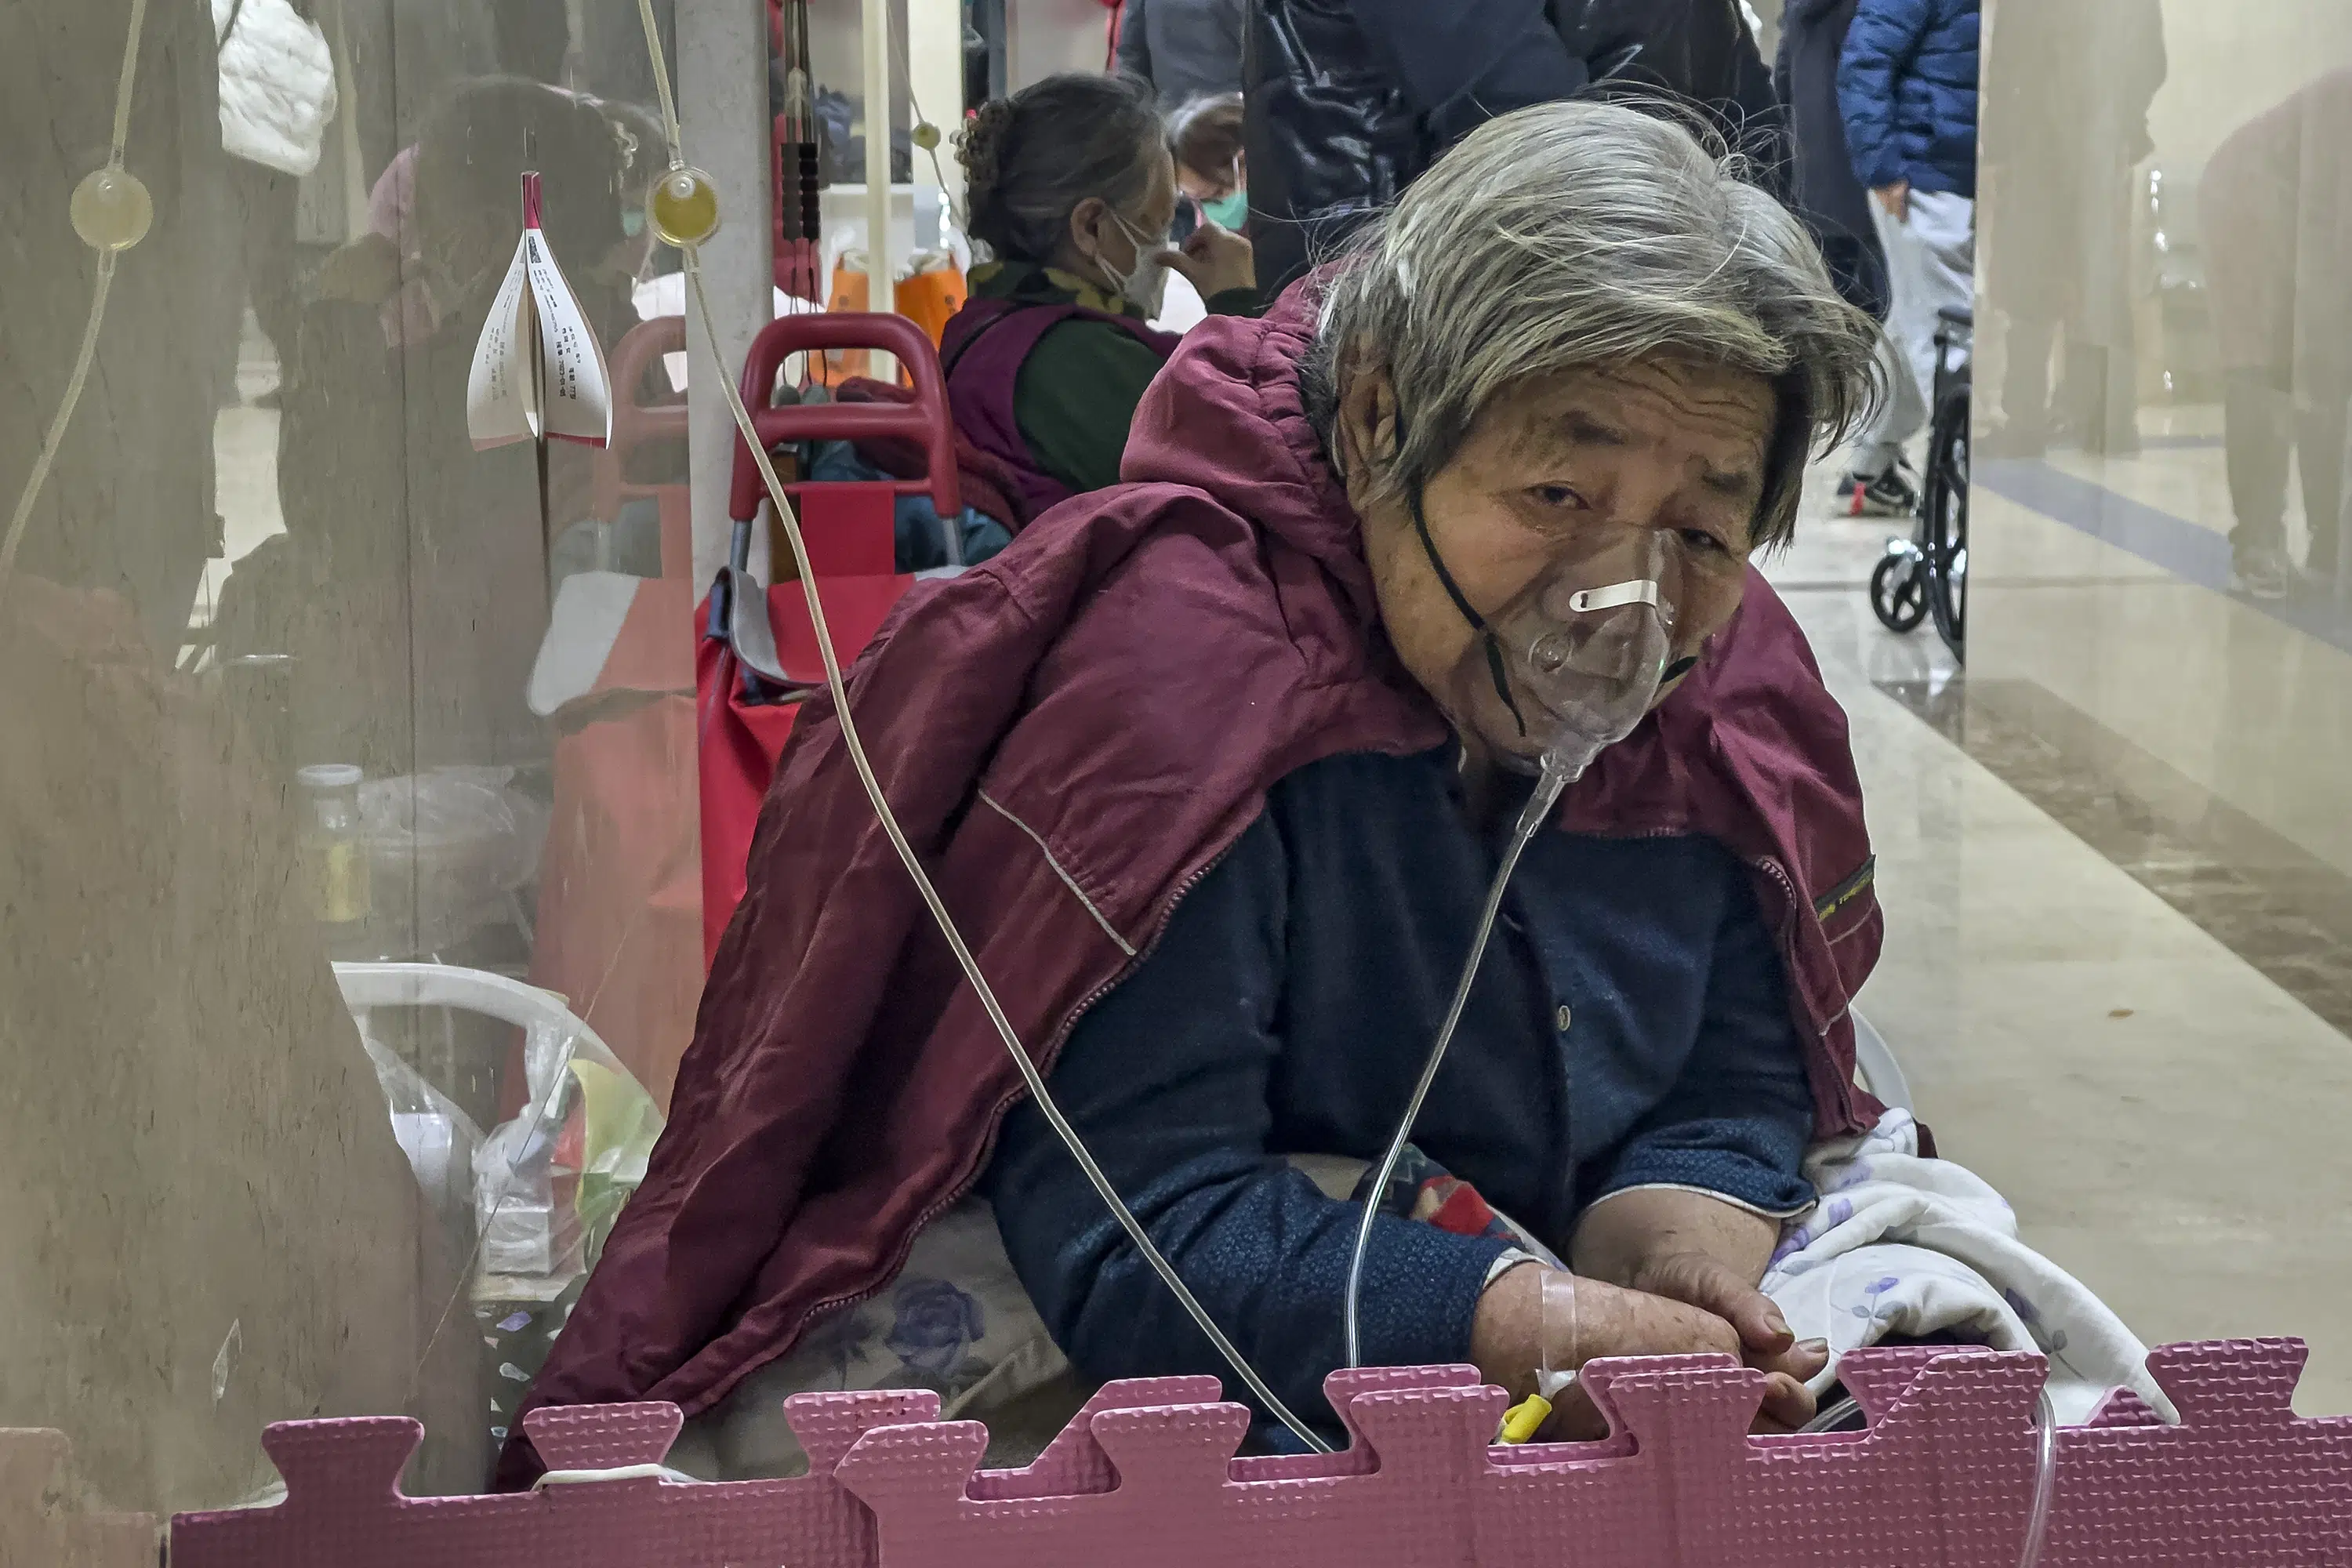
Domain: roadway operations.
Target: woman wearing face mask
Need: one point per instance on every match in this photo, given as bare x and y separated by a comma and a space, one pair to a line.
1206, 137
1072, 189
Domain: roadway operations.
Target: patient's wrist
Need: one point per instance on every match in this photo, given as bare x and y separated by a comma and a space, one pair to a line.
1513, 1335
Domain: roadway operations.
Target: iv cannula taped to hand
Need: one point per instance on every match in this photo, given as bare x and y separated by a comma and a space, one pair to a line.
1557, 1358
1566, 668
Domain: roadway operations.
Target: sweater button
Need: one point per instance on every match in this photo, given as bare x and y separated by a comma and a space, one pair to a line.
1561, 1020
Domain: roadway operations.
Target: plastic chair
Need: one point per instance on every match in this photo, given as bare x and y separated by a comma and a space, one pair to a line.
1874, 1063
555, 1044
552, 1034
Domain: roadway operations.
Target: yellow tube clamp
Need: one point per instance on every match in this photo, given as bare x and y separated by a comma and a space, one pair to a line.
1525, 1419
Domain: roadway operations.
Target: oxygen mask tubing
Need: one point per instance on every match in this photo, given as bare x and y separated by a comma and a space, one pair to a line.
1565, 669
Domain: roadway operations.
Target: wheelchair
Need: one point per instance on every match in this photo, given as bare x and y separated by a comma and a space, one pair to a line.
1927, 573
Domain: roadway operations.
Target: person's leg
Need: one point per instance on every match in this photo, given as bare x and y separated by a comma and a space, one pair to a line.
1946, 228
2319, 450
1877, 484
1878, 450
2256, 422
2024, 429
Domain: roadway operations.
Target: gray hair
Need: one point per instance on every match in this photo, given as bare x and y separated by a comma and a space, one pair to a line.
1030, 158
1579, 233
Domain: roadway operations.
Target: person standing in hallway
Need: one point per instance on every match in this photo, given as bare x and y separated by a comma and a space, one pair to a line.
1184, 48
278, 97
2276, 204
1908, 90
2068, 84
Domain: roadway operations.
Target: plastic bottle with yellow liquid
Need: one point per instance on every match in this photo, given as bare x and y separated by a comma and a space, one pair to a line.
334, 850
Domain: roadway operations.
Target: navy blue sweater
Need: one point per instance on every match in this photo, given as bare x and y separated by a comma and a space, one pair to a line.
1630, 1028
1908, 88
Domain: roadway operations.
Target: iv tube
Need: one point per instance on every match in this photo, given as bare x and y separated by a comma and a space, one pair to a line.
109, 196
1537, 811
1556, 1346
689, 249
2045, 1477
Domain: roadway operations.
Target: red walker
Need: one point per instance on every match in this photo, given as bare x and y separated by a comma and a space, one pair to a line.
755, 668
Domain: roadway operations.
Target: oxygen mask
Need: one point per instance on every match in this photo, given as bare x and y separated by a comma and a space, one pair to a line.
1571, 663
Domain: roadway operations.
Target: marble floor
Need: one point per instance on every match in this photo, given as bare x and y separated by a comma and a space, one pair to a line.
2112, 1006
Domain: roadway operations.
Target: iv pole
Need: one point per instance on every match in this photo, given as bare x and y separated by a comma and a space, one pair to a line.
880, 290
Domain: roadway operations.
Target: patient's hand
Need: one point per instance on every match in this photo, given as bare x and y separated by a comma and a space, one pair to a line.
1508, 1341
1694, 1247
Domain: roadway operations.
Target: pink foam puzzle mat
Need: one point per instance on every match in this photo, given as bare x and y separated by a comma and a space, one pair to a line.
1148, 1475
44, 1522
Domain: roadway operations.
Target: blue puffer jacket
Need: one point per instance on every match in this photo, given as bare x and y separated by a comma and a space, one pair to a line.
1908, 88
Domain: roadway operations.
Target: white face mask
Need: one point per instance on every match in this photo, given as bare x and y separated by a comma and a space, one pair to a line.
1146, 284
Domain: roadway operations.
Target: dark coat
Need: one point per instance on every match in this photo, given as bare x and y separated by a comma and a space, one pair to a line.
1072, 735
1184, 48
1907, 87
1821, 179
1349, 100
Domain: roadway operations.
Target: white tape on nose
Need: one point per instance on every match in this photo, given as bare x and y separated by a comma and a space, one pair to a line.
1584, 601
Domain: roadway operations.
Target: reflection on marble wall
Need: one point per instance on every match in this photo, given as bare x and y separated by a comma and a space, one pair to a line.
43, 1523
2166, 325
266, 543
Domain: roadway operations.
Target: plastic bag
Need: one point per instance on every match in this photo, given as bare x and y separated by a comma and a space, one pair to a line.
467, 837
549, 1183
442, 1142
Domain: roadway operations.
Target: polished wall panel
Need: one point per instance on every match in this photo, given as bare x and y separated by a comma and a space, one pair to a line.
2160, 659
2166, 353
270, 626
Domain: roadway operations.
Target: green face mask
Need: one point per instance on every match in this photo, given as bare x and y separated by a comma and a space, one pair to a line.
1228, 212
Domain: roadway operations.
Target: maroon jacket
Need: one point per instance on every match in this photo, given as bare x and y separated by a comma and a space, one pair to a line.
1127, 680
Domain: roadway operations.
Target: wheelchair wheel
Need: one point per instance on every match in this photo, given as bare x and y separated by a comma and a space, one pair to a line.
1944, 517
1898, 595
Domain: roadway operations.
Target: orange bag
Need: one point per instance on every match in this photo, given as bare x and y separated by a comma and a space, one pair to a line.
933, 294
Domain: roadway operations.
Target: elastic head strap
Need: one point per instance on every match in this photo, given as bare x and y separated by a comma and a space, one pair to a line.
1493, 644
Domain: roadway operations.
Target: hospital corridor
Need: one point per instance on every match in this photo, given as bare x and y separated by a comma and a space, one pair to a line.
869, 782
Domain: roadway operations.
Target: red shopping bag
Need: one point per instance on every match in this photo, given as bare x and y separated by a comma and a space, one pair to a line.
759, 656
741, 725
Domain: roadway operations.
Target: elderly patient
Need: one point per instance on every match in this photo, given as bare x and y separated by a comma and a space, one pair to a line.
1186, 766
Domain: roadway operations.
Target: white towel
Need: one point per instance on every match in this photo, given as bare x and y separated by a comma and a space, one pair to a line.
1903, 1245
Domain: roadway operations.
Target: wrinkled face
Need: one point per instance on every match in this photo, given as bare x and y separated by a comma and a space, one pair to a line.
1661, 444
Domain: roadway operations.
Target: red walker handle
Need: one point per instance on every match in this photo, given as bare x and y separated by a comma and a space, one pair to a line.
926, 420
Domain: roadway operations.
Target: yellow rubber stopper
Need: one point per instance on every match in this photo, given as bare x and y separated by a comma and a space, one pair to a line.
683, 209
111, 209
925, 135
1525, 1419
